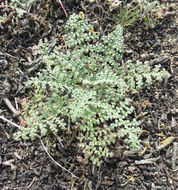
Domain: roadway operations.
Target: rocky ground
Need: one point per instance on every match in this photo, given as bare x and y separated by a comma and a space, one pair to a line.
26, 165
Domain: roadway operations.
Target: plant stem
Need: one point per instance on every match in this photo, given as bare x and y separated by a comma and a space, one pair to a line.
63, 8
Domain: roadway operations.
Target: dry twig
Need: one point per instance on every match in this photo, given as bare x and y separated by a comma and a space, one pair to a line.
174, 155
8, 121
147, 161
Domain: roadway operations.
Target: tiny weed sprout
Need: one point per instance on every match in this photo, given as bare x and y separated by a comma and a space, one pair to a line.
142, 10
84, 86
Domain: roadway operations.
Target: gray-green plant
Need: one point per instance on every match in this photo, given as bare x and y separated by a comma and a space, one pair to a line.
85, 87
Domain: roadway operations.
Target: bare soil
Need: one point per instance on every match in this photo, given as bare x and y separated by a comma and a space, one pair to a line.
25, 165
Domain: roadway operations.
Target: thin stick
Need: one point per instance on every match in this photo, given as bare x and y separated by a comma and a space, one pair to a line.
14, 124
55, 161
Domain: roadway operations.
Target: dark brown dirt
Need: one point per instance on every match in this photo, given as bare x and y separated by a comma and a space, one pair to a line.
25, 165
